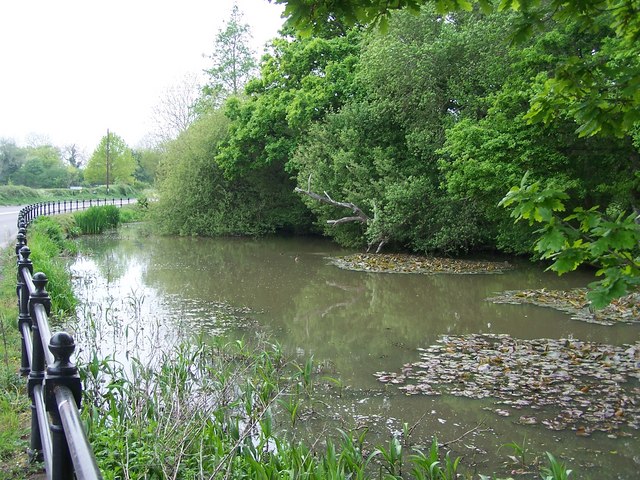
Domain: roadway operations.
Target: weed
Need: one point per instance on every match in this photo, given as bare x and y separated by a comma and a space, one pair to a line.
555, 471
520, 452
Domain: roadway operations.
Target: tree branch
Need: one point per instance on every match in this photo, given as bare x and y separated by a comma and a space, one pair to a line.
359, 216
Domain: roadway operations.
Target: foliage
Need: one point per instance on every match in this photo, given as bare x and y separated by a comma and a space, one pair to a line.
46, 241
598, 90
232, 59
21, 195
380, 150
301, 80
42, 167
555, 471
118, 166
11, 159
591, 81
147, 162
196, 198
586, 236
96, 220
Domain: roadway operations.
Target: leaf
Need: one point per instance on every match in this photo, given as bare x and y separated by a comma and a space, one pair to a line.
551, 242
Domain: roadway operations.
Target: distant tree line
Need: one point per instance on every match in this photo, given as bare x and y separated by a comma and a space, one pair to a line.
48, 166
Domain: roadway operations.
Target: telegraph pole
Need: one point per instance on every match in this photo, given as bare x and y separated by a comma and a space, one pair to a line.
107, 161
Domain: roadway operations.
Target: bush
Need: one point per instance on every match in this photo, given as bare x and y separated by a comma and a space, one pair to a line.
131, 214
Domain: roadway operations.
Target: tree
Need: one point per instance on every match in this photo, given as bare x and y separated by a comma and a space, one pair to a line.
11, 159
176, 109
147, 163
73, 156
233, 61
301, 80
597, 87
43, 168
379, 151
111, 162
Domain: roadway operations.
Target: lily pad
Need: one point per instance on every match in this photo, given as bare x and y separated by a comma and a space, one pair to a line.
583, 386
574, 302
402, 263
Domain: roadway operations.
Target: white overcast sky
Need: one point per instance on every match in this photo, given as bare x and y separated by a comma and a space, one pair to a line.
71, 69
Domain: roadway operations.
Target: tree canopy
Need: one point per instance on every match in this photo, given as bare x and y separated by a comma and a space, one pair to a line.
111, 162
233, 61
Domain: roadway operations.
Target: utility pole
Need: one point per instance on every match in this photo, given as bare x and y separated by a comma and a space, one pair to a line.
107, 160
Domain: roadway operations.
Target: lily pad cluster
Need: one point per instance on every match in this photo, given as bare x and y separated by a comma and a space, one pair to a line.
403, 263
575, 302
558, 383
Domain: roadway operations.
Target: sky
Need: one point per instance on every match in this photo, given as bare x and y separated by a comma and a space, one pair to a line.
71, 69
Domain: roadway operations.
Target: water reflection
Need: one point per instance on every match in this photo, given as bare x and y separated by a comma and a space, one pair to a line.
355, 323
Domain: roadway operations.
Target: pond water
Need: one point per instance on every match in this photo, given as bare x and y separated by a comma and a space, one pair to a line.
353, 323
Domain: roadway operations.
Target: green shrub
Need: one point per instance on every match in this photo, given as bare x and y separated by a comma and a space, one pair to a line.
131, 214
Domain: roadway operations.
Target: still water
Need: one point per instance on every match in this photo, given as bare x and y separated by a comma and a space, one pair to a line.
160, 290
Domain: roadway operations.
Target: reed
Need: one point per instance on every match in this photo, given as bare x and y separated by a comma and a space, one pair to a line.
96, 220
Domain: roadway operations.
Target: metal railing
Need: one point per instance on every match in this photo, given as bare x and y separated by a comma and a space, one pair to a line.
31, 212
57, 435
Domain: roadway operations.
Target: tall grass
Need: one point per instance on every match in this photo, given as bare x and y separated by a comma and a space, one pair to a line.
213, 410
96, 220
47, 242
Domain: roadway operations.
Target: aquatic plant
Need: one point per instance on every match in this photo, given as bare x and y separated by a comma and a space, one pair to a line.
555, 471
520, 452
96, 220
588, 381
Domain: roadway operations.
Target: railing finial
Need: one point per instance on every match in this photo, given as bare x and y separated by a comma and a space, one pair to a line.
62, 347
21, 241
40, 295
23, 260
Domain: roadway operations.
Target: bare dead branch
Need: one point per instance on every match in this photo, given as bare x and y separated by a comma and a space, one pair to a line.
359, 216
474, 429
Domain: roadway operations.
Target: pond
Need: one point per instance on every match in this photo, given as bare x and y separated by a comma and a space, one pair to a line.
143, 294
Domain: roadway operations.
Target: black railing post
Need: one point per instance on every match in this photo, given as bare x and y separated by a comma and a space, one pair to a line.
36, 375
63, 373
22, 290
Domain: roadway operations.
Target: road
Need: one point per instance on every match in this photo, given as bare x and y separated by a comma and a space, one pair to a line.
8, 225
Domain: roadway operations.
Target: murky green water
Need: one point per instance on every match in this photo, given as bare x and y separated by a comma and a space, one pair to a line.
354, 323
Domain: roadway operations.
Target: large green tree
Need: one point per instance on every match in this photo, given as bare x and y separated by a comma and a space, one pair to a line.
11, 159
301, 80
233, 61
43, 168
111, 162
380, 150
